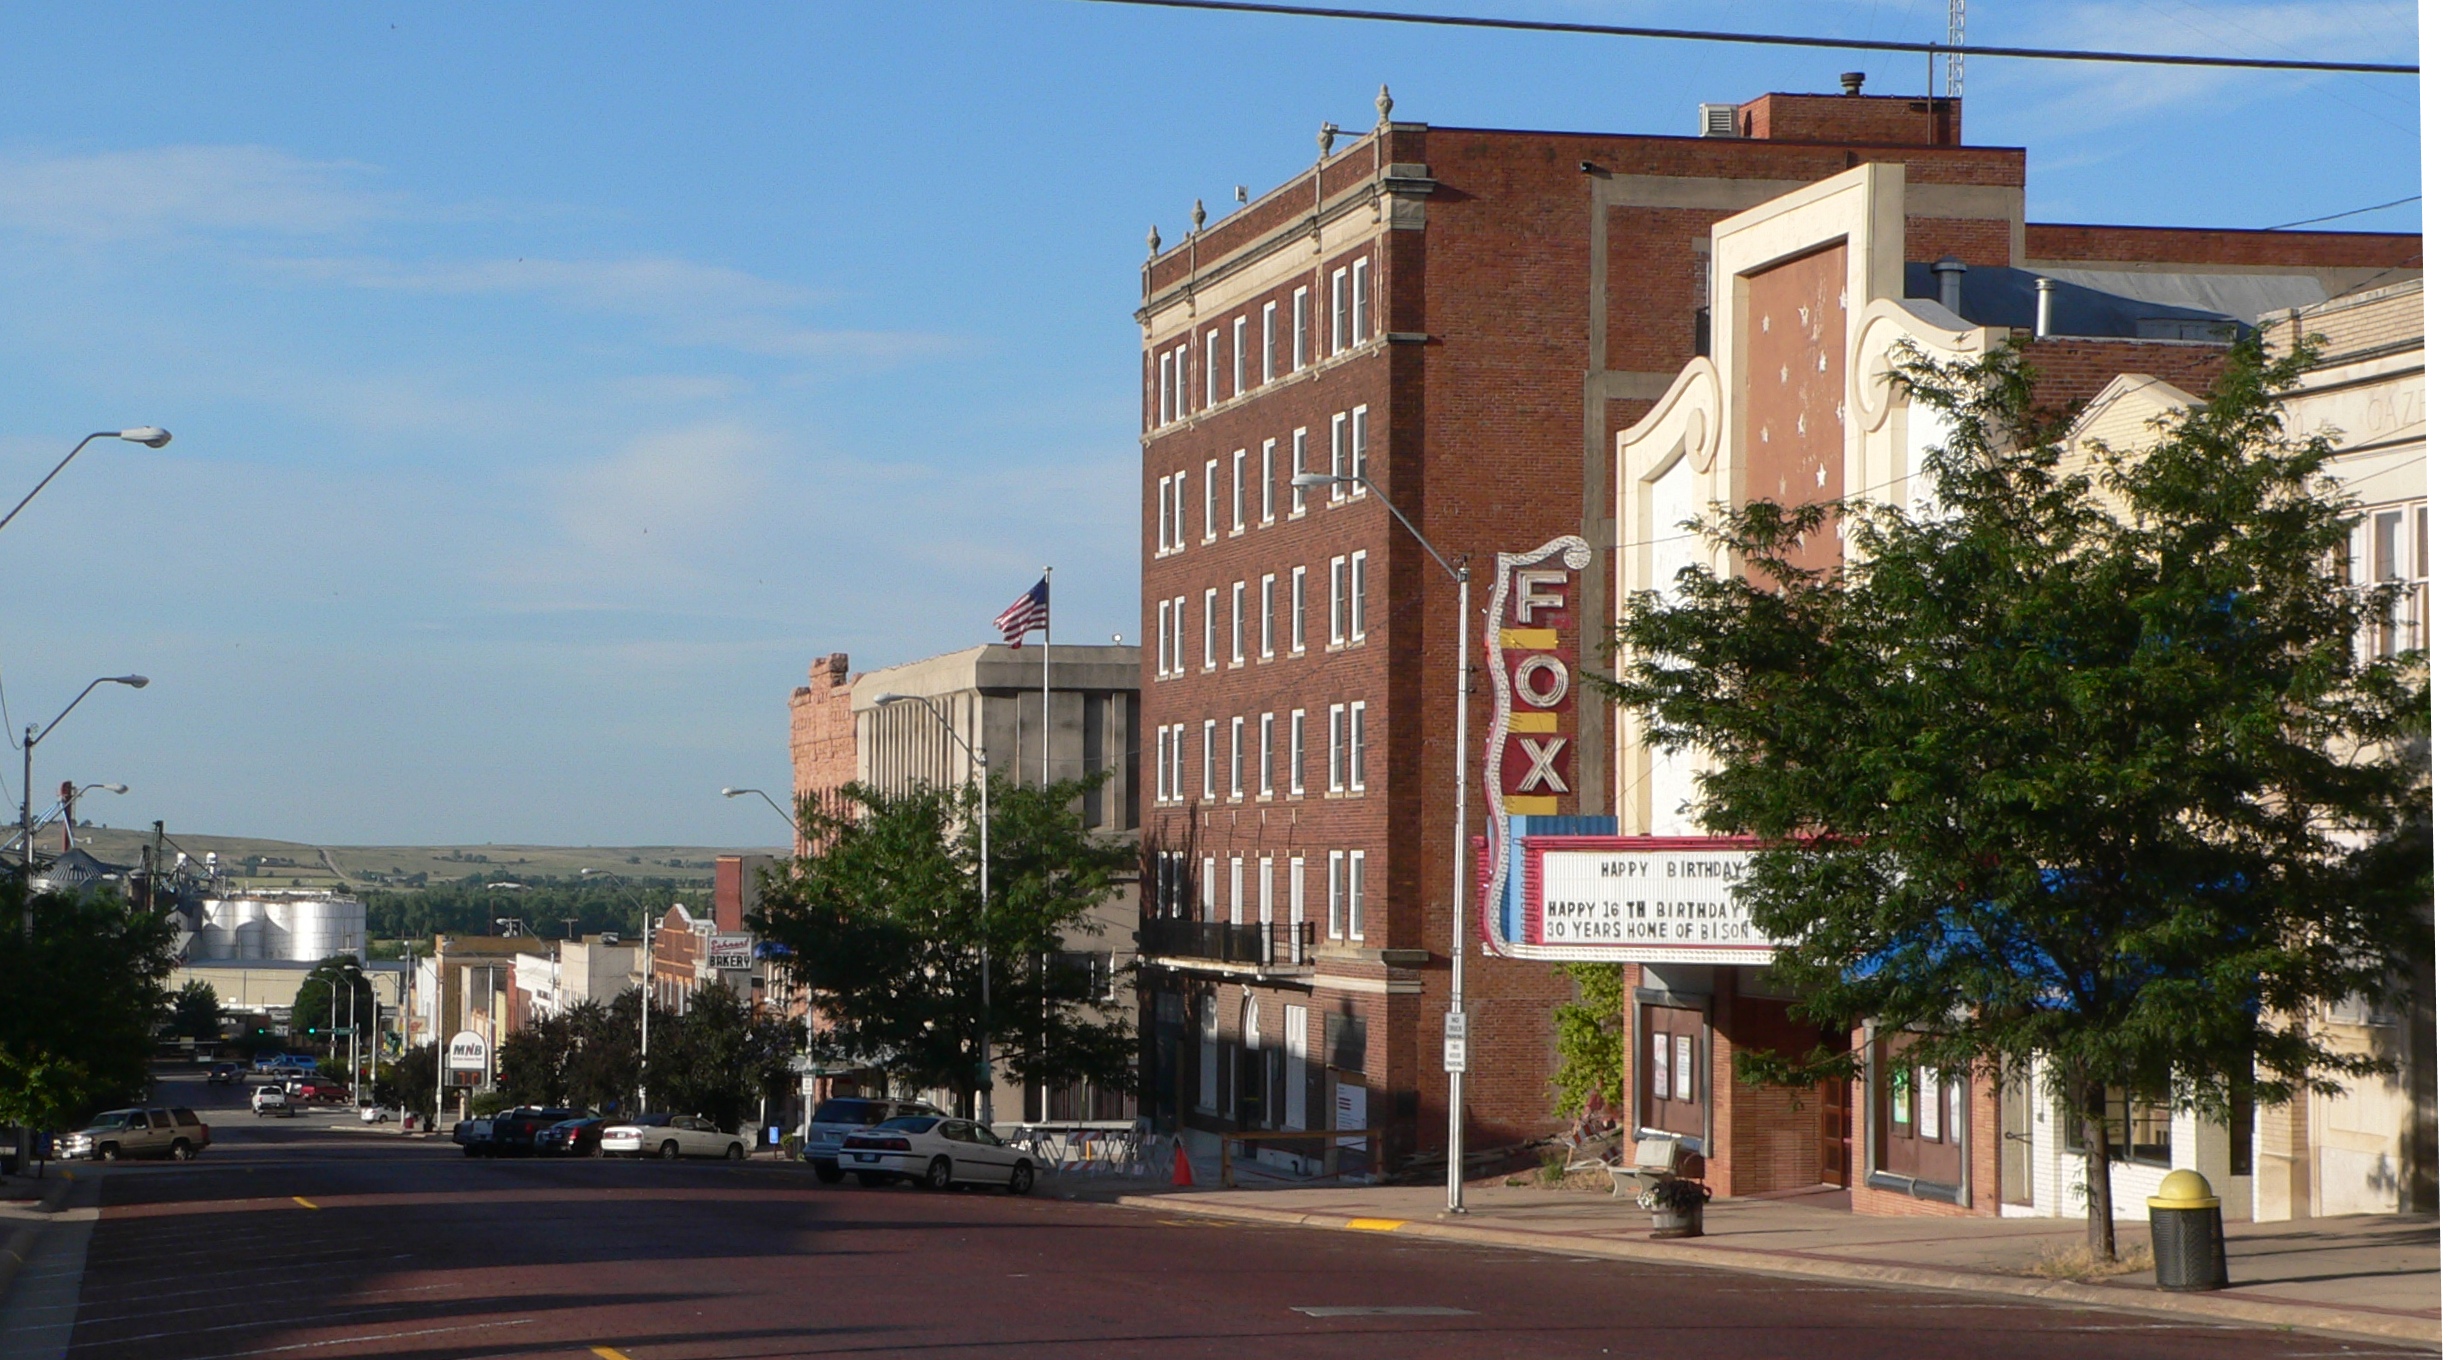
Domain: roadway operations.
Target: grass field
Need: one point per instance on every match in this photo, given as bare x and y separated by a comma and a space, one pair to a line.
260, 863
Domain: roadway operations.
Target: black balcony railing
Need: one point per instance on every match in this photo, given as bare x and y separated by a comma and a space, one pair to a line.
1273, 944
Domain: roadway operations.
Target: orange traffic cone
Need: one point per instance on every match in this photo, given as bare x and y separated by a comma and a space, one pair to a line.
1181, 1165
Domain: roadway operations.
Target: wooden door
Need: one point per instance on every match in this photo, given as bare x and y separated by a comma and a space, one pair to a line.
1836, 1133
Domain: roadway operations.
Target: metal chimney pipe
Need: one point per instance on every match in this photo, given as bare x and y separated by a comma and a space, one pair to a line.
2041, 318
1951, 283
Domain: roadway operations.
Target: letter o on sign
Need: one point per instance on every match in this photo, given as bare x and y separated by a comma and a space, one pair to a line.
1557, 680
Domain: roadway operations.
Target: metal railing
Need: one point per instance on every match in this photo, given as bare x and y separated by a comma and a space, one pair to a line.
1269, 944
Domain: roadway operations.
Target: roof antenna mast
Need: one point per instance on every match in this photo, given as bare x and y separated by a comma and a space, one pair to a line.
1955, 39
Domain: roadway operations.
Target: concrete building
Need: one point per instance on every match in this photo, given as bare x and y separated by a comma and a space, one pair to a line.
992, 697
1467, 317
1812, 293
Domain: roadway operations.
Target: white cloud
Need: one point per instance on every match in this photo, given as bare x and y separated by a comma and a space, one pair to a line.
177, 190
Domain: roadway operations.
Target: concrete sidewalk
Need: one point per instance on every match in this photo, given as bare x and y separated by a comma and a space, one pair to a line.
2372, 1276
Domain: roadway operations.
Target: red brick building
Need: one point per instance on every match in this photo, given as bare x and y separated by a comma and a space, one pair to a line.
1466, 317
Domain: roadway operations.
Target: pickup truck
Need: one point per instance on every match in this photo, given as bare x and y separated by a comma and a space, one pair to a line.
512, 1133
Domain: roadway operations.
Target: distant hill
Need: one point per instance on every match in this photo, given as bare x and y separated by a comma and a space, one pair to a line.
260, 863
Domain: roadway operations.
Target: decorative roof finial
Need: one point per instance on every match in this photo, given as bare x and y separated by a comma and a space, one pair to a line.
1326, 140
1386, 106
1198, 214
1156, 240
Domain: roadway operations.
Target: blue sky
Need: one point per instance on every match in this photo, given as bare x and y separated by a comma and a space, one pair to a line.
551, 383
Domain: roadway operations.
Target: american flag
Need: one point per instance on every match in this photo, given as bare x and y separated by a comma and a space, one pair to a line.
1028, 612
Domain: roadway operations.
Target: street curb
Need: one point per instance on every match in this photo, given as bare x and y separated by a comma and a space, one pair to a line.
20, 1245
2205, 1307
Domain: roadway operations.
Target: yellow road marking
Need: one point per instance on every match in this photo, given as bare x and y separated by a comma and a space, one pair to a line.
304, 1202
1374, 1224
608, 1353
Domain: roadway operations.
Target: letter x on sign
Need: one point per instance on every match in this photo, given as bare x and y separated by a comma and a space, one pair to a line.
1543, 764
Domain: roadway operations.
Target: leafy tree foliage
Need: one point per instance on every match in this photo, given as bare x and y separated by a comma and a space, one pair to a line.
83, 998
884, 924
1590, 1039
322, 1003
716, 1057
550, 907
195, 1012
585, 1057
2072, 761
408, 1082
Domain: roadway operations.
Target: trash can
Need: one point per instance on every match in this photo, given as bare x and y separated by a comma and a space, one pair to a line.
2188, 1250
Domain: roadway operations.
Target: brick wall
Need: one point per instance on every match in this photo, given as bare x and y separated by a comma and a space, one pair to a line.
2071, 242
1863, 120
2071, 370
824, 736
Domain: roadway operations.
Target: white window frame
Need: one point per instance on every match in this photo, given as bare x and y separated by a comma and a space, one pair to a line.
1207, 771
1335, 894
1233, 892
1335, 601
1208, 368
1356, 733
1210, 535
1356, 598
1164, 515
1335, 310
1181, 510
1268, 333
1207, 889
1164, 634
1181, 608
1267, 617
1241, 478
1301, 458
1241, 591
1164, 388
1335, 748
1181, 735
1357, 452
1267, 754
1296, 1065
1181, 381
1296, 892
1161, 733
1356, 893
1338, 437
1241, 351
1207, 655
1296, 738
1360, 301
1267, 890
1297, 617
1301, 328
1267, 481
1234, 759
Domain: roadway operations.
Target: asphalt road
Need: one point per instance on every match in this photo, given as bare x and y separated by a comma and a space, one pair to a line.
298, 1239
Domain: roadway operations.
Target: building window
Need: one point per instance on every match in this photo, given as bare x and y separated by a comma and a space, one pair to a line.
1267, 755
1359, 450
1267, 482
1357, 727
1241, 477
1164, 514
1164, 634
1241, 351
1164, 764
1267, 890
1335, 748
1296, 754
2140, 1130
1335, 894
1301, 329
2392, 548
1181, 513
1179, 732
1360, 301
1207, 763
1267, 616
1209, 533
1181, 381
1207, 888
1358, 865
1164, 387
1207, 1054
1296, 892
1335, 602
1207, 655
1233, 891
1301, 464
1340, 326
1339, 454
1208, 369
1300, 613
1181, 607
1359, 598
1268, 366
1241, 590
1235, 761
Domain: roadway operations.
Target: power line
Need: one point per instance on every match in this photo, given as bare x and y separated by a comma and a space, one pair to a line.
2351, 212
1955, 51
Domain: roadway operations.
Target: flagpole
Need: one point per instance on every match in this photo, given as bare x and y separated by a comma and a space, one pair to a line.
1045, 691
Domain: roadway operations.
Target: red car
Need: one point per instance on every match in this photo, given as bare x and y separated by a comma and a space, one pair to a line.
322, 1089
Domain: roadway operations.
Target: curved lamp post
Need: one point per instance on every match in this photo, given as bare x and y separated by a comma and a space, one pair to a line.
151, 436
986, 958
769, 802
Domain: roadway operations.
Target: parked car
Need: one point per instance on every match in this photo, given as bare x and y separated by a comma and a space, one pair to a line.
374, 1114
572, 1138
938, 1153
174, 1133
271, 1100
845, 1115
222, 1074
322, 1090
671, 1135
512, 1133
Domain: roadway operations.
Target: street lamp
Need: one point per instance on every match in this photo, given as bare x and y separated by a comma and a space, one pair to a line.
25, 813
1455, 1023
151, 436
769, 802
986, 957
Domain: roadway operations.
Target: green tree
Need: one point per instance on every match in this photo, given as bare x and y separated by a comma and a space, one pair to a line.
552, 908
322, 1002
2076, 762
408, 1082
717, 1057
884, 925
1590, 1039
195, 1012
83, 996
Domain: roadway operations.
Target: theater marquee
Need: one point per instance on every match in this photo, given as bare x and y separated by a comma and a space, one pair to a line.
1639, 899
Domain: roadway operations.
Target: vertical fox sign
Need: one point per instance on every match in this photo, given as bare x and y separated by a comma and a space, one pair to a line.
1528, 770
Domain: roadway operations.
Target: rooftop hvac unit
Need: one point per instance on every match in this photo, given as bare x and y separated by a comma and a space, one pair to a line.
1718, 120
